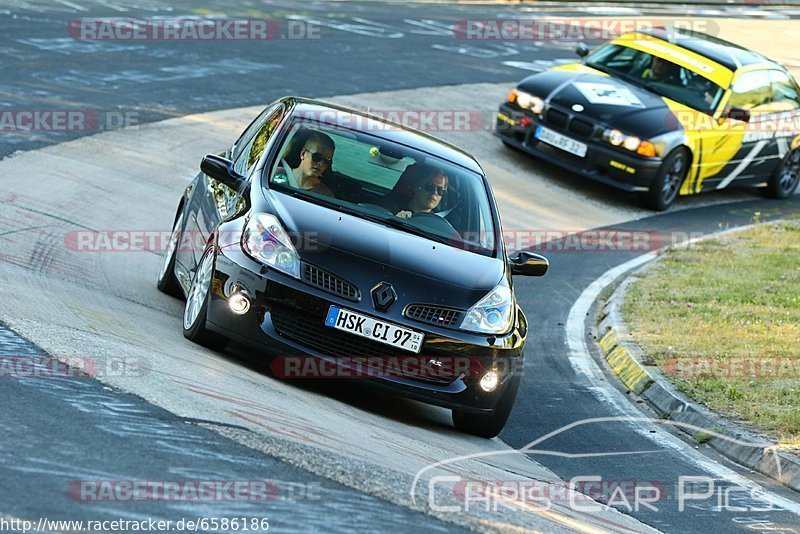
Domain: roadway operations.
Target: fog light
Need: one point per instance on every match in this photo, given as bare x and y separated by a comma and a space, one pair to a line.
239, 304
489, 382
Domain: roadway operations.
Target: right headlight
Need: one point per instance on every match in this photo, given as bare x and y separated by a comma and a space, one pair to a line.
493, 314
529, 101
265, 240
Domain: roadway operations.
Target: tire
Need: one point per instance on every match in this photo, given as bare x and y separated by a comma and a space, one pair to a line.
668, 181
783, 182
489, 425
196, 309
167, 283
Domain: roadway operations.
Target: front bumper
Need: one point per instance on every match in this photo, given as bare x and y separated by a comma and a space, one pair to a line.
286, 320
602, 163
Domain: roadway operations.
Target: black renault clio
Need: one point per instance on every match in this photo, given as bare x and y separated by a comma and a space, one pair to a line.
328, 236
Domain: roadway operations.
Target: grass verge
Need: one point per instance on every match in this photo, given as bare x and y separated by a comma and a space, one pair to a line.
722, 320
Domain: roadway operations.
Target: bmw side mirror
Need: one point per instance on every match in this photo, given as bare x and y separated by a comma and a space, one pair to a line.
582, 50
737, 114
221, 169
528, 264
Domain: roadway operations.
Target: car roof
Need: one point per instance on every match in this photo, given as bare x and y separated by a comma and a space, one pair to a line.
723, 52
358, 120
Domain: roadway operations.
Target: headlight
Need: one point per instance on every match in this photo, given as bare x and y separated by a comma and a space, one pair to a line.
630, 142
528, 101
493, 314
615, 137
266, 241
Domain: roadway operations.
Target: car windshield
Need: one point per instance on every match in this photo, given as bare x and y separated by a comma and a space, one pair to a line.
385, 182
657, 74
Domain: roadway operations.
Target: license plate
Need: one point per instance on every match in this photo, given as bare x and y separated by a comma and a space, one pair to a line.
374, 329
560, 141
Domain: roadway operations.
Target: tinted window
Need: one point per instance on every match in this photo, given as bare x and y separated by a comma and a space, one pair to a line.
784, 90
251, 144
750, 90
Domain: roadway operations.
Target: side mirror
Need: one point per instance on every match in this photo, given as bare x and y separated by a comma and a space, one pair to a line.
737, 114
221, 169
582, 50
528, 264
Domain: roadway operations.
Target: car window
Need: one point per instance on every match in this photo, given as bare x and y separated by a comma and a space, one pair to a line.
784, 90
657, 74
751, 90
248, 150
386, 182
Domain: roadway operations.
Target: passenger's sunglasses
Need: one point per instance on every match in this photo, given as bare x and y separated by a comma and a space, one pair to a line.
318, 157
433, 188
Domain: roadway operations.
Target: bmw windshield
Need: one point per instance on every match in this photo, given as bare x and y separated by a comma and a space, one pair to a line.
657, 74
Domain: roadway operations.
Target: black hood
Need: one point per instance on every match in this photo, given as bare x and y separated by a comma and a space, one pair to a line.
608, 101
366, 253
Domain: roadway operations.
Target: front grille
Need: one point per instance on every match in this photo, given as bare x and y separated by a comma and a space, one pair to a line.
582, 128
557, 118
447, 317
329, 282
310, 331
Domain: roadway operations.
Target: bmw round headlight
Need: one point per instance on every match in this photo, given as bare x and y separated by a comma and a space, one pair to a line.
615, 137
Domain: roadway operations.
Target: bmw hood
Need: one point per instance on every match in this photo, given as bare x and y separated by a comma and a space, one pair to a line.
604, 100
366, 253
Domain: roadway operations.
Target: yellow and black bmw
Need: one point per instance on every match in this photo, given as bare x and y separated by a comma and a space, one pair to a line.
663, 112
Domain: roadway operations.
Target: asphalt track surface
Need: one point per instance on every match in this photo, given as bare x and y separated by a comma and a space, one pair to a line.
76, 429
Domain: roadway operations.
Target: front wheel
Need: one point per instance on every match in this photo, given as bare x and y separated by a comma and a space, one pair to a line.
783, 182
196, 310
489, 425
668, 181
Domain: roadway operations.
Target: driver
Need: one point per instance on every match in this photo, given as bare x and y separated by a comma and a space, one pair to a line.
428, 186
660, 70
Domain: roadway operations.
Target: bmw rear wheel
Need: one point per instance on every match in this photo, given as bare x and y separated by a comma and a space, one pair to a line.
665, 187
783, 182
196, 310
167, 283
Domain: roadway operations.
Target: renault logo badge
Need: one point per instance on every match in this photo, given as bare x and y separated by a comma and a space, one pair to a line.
383, 296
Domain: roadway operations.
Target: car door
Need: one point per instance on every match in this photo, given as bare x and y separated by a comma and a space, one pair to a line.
759, 151
213, 201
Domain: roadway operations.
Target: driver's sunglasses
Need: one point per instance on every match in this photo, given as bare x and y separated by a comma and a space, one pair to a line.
430, 187
318, 157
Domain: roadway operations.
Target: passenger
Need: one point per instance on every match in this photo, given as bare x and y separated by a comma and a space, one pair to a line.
420, 189
315, 158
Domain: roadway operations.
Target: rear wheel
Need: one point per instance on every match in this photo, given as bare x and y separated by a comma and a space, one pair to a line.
196, 310
784, 180
167, 283
668, 181
489, 425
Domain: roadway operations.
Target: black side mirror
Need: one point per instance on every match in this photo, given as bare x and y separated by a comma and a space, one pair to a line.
582, 50
737, 114
528, 264
221, 169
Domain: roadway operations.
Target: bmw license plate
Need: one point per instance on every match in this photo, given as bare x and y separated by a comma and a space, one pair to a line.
374, 329
560, 141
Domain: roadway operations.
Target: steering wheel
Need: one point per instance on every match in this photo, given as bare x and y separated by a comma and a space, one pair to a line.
434, 222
